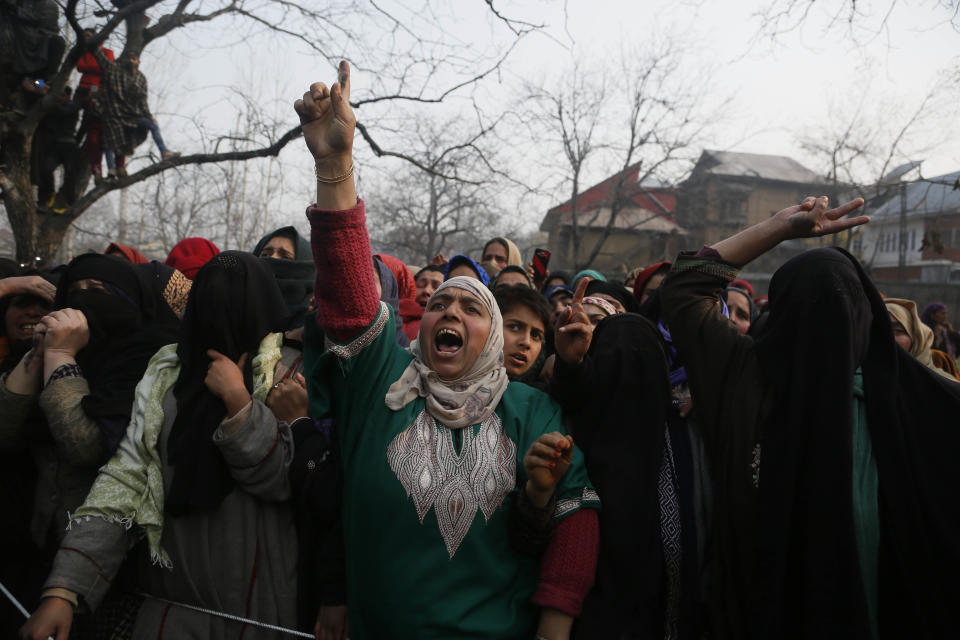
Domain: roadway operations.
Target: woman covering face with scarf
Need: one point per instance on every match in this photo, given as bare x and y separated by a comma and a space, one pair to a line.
835, 512
90, 354
202, 473
441, 455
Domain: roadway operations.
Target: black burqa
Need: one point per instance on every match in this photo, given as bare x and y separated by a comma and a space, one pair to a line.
616, 406
128, 324
826, 318
234, 303
294, 277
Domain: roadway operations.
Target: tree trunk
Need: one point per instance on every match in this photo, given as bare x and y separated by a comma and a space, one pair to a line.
37, 233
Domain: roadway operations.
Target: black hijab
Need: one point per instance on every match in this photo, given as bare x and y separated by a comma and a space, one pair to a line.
616, 291
294, 277
616, 405
234, 303
127, 327
825, 320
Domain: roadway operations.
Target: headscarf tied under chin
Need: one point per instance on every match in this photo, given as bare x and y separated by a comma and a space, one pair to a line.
467, 400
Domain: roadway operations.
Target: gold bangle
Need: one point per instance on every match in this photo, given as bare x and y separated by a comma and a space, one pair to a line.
335, 179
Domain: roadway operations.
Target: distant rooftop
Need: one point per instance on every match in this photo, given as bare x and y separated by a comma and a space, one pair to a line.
649, 195
755, 165
629, 218
940, 194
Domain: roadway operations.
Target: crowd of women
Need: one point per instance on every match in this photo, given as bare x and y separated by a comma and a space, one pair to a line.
309, 439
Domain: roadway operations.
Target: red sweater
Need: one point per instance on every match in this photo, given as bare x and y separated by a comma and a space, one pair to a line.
90, 70
347, 303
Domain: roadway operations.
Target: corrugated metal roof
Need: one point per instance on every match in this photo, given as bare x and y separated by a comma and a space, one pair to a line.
930, 196
756, 165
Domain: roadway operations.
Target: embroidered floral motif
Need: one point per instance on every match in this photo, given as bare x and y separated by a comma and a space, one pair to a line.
424, 459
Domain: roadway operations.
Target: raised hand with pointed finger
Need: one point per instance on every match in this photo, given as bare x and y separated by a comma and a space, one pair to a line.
574, 332
327, 120
328, 123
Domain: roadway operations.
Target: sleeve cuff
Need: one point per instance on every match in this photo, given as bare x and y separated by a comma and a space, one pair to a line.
333, 219
233, 423
706, 261
63, 594
253, 441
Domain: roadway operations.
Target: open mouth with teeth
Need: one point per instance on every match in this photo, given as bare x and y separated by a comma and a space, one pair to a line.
447, 342
26, 330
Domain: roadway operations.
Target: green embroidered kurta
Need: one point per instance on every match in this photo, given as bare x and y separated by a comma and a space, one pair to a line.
426, 509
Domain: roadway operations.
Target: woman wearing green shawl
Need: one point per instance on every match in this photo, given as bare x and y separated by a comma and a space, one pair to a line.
443, 458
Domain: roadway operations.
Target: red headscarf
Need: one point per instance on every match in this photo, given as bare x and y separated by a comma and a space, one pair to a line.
740, 283
408, 288
131, 254
188, 255
645, 275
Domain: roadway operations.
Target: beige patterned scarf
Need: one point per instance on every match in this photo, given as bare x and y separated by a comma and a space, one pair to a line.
467, 400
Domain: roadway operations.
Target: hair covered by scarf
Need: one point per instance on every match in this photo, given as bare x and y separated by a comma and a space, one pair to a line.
921, 336
188, 255
471, 398
590, 273
129, 253
461, 260
602, 304
513, 253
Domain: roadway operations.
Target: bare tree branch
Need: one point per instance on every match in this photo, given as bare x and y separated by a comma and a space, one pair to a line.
197, 158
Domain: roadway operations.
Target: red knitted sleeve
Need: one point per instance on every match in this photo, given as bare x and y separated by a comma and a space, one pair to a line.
345, 290
569, 563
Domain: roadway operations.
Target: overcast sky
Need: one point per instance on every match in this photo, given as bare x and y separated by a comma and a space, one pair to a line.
779, 89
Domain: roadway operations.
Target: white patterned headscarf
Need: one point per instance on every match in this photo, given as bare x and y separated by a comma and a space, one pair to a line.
467, 400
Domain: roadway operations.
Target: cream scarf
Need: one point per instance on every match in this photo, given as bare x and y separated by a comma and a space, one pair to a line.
470, 399
129, 488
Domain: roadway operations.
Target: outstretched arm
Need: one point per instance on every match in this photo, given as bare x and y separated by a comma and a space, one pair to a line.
345, 291
809, 219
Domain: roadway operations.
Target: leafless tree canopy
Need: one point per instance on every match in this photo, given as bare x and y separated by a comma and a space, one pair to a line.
410, 55
449, 205
653, 102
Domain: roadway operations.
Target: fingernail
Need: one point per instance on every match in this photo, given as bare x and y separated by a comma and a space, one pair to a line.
553, 464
